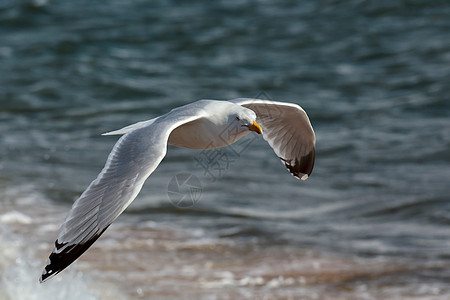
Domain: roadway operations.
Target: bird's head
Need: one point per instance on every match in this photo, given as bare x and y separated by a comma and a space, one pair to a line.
245, 119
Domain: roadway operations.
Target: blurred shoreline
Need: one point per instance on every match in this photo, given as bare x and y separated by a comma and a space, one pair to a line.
138, 260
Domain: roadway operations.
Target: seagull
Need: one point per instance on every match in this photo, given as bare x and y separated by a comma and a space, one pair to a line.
204, 124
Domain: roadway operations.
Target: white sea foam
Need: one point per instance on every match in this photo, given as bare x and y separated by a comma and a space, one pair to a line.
21, 234
15, 217
20, 271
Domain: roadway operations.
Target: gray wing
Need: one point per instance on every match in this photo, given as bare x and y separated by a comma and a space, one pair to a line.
287, 129
134, 157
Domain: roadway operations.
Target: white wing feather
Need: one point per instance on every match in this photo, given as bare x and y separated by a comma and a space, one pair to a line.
134, 157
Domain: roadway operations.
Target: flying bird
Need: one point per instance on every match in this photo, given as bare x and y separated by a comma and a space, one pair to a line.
204, 124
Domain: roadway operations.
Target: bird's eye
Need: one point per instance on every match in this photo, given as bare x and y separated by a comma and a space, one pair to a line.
237, 118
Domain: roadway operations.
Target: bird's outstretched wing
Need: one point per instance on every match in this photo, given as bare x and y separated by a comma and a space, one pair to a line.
287, 129
134, 157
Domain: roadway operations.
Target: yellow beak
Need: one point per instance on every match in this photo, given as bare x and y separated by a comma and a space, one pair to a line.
255, 127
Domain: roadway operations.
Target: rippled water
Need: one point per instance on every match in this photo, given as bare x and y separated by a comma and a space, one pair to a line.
373, 77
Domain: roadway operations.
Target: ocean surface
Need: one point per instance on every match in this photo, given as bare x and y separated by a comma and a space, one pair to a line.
372, 221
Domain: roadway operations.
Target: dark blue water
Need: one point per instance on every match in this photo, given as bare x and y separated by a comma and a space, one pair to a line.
373, 76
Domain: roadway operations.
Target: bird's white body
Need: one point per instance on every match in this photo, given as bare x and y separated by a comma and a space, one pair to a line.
213, 130
204, 124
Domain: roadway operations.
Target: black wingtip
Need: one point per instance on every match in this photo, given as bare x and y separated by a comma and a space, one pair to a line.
59, 259
301, 168
64, 255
